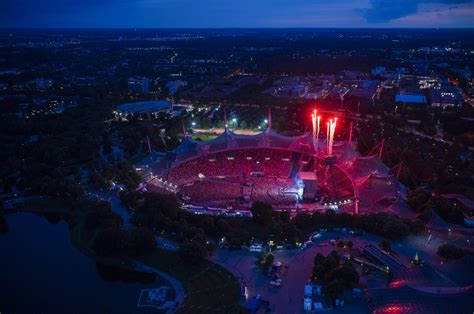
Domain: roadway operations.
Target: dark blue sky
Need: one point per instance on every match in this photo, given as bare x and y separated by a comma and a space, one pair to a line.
237, 13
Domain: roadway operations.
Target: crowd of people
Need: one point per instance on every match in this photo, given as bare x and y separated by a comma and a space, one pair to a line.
259, 161
238, 191
212, 192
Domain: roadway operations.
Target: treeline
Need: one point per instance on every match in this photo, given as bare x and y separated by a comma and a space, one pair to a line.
58, 154
334, 275
422, 202
3, 221
383, 224
451, 252
162, 213
122, 173
104, 229
438, 165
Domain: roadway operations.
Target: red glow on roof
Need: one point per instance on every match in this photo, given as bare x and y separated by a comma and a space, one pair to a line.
393, 309
397, 283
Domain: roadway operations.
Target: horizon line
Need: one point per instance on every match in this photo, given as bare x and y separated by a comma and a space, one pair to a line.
224, 28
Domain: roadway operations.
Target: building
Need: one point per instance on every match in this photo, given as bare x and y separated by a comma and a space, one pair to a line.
364, 91
138, 85
446, 97
378, 71
42, 83
173, 86
409, 91
316, 93
410, 98
338, 92
309, 184
144, 109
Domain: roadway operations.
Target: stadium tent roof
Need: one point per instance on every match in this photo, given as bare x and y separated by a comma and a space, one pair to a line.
247, 140
219, 143
355, 165
230, 140
345, 151
374, 188
187, 149
363, 166
145, 106
281, 141
366, 178
411, 98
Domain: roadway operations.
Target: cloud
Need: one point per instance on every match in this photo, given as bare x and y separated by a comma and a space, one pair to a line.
381, 11
13, 11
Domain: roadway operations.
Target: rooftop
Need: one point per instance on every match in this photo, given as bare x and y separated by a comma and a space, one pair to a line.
145, 106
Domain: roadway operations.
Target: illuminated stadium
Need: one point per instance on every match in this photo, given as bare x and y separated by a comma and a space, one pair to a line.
308, 172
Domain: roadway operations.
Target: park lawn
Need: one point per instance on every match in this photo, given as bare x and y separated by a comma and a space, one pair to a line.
204, 137
209, 287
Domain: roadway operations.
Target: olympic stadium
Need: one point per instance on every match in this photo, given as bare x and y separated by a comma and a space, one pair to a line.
307, 172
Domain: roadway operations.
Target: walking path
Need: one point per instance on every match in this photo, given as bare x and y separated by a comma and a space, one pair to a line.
177, 286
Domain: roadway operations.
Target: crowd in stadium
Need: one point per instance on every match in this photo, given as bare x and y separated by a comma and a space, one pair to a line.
234, 178
236, 191
245, 162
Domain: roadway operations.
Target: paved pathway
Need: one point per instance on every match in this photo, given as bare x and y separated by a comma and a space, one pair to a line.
289, 297
177, 286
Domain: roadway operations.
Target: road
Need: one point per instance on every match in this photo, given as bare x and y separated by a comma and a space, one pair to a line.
289, 297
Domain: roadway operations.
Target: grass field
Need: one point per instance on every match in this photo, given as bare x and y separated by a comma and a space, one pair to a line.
203, 137
209, 287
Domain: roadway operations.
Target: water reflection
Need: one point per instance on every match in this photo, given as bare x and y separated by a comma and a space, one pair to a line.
41, 272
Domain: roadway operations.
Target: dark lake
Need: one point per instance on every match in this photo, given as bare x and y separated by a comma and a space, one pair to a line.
41, 272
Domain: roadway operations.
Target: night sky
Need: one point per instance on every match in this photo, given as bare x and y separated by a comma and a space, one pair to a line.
236, 13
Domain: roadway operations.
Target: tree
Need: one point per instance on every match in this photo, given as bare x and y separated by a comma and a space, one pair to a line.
302, 221
262, 257
345, 274
268, 261
447, 211
334, 290
385, 245
206, 123
223, 227
99, 214
450, 252
139, 241
156, 209
417, 199
193, 251
262, 213
109, 242
3, 221
285, 216
394, 229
